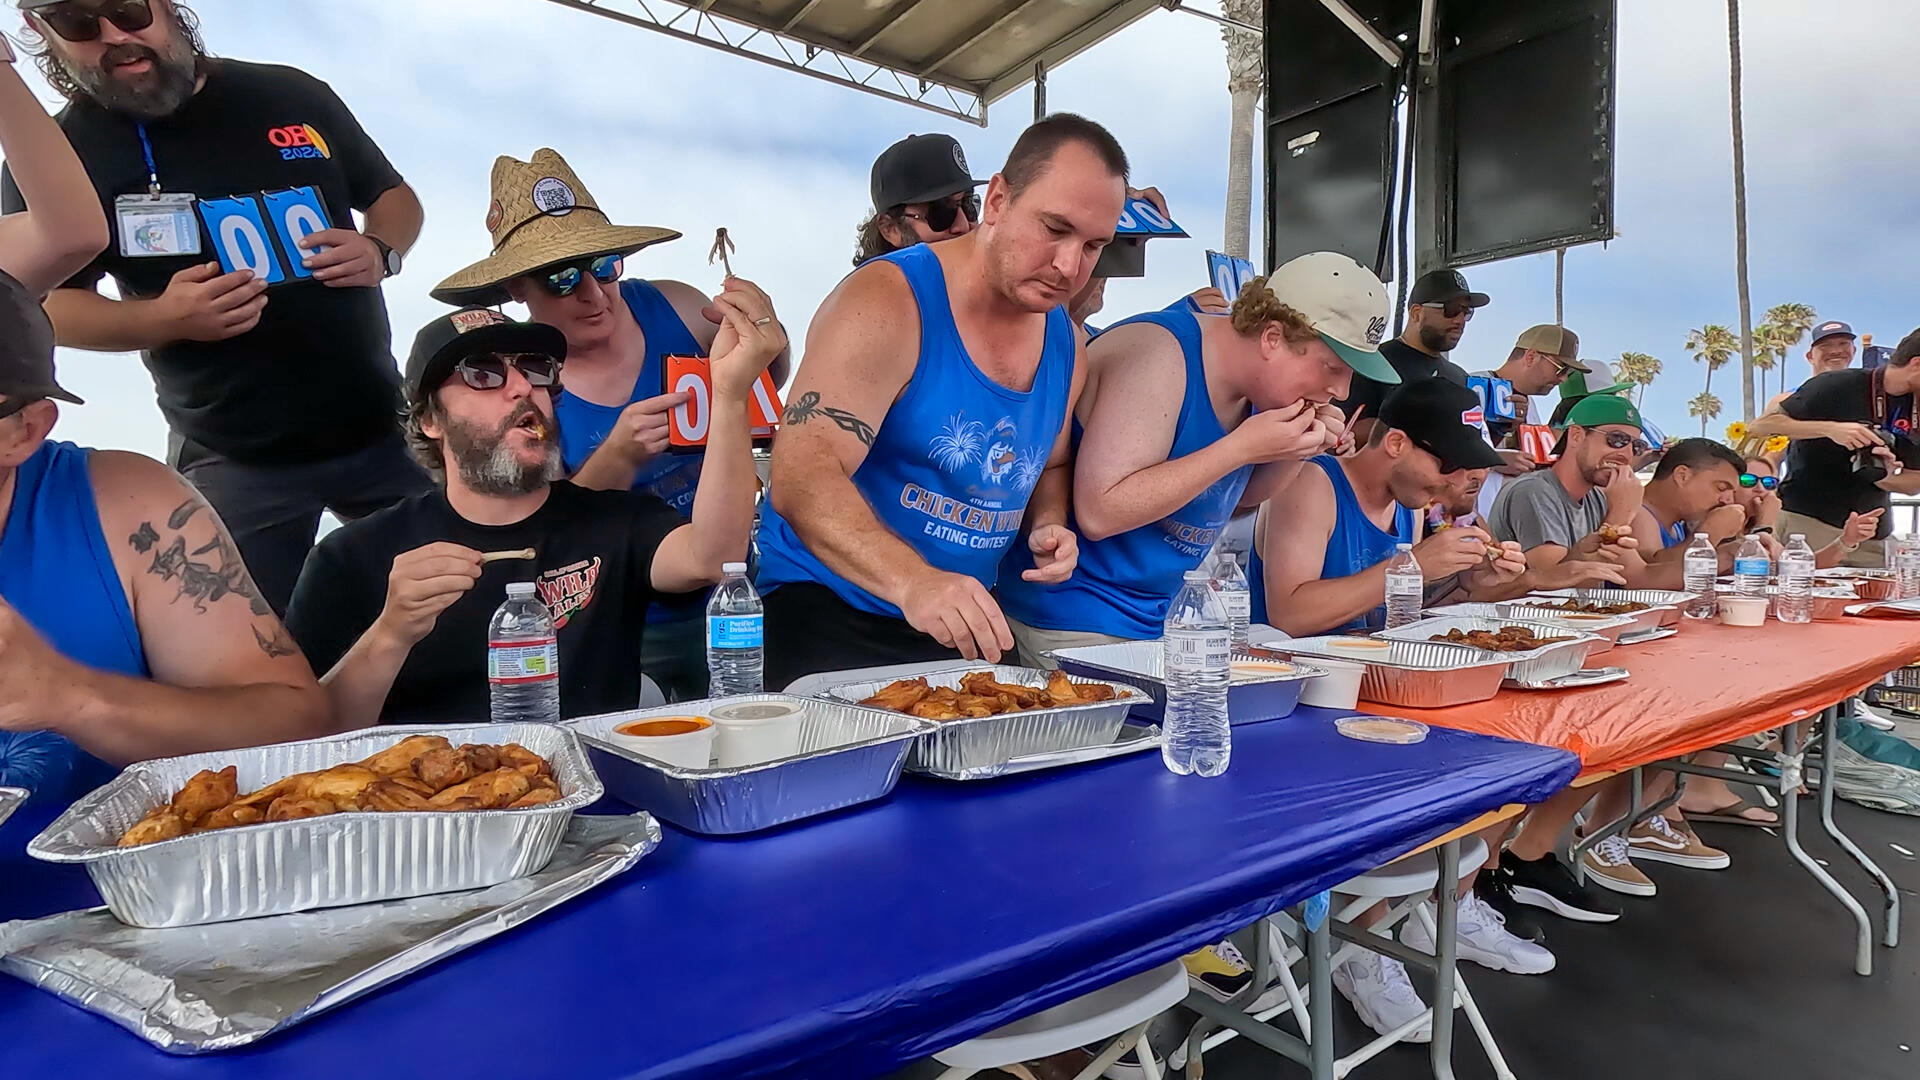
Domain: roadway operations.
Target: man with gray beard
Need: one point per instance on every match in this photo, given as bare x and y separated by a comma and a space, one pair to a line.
230, 190
394, 608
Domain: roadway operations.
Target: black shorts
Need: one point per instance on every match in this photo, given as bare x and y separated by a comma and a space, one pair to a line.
809, 629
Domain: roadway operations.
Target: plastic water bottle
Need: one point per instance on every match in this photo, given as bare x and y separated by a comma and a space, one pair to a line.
523, 660
1198, 740
1906, 567
1702, 576
735, 635
1235, 595
1751, 568
1794, 598
1405, 588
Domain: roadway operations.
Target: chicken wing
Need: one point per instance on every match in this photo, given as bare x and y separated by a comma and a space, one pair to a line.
537, 796
984, 684
900, 696
295, 785
485, 759
398, 758
493, 790
441, 769
341, 784
414, 784
289, 808
978, 705
515, 756
933, 710
391, 795
1061, 690
229, 816
206, 792
162, 824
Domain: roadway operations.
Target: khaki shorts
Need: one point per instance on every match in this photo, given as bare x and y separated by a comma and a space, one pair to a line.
1871, 555
1034, 642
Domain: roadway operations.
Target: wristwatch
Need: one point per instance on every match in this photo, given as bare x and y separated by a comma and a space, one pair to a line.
389, 258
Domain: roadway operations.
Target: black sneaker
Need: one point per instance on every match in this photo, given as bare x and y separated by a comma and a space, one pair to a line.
1495, 886
1547, 883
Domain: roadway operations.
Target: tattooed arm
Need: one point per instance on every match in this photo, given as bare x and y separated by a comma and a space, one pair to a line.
224, 671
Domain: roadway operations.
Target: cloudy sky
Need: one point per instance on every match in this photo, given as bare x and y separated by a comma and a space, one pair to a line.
670, 133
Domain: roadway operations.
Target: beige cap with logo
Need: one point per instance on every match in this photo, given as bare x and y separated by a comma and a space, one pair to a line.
1554, 341
541, 214
1345, 303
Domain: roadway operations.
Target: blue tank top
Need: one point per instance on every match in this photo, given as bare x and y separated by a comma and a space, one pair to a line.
1356, 544
1124, 583
1672, 535
584, 425
954, 460
57, 571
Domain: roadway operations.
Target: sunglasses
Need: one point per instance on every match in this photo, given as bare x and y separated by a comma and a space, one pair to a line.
1452, 309
75, 23
1620, 440
489, 372
564, 278
1764, 483
939, 216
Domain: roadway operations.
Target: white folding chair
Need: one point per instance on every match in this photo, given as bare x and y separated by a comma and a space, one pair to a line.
1118, 1014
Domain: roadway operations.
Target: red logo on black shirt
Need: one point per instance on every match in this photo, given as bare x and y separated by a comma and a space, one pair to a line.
296, 141
569, 589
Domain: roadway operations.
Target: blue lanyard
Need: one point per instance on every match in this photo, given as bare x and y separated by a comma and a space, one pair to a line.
146, 151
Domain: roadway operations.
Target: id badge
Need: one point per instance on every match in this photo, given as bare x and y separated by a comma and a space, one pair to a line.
157, 226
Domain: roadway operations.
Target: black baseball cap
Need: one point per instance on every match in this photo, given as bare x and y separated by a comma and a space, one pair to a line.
1440, 415
472, 331
26, 346
919, 169
1440, 286
1831, 328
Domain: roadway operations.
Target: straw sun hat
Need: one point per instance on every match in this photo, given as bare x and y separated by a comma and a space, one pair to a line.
541, 214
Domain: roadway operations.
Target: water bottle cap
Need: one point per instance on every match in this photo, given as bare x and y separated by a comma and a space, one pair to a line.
733, 568
1699, 536
1198, 576
519, 588
1403, 547
1796, 536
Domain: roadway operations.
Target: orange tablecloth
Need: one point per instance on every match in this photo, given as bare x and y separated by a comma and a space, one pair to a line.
1709, 684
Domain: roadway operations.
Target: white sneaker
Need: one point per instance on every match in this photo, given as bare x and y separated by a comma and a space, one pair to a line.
1377, 988
1481, 936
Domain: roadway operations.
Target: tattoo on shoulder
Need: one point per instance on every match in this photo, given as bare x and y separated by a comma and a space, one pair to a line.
278, 645
207, 574
807, 406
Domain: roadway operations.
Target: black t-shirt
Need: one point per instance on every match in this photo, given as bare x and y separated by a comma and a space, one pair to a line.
316, 378
1820, 479
1411, 363
595, 557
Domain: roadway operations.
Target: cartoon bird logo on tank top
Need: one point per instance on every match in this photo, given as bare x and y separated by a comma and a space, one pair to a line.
1005, 466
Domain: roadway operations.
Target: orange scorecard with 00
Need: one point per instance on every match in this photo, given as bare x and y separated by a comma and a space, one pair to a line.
688, 423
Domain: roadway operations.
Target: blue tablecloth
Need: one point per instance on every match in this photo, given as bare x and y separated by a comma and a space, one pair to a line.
847, 947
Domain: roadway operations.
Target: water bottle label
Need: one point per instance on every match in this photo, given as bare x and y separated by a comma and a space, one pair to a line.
1239, 604
1755, 567
523, 661
735, 631
1197, 652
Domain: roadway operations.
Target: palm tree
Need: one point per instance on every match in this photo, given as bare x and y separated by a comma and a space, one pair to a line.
1639, 369
1246, 60
1792, 321
1769, 350
1713, 345
1740, 210
1706, 407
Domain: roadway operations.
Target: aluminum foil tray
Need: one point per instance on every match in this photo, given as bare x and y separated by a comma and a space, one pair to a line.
10, 800
1664, 604
219, 987
847, 756
1555, 661
278, 867
957, 746
1251, 696
1868, 584
1828, 604
1611, 627
1133, 739
1412, 674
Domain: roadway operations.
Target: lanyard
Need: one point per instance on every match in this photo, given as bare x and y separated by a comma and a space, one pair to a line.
1885, 416
146, 151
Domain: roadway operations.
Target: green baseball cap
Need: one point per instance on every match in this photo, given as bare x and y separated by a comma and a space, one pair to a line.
1604, 410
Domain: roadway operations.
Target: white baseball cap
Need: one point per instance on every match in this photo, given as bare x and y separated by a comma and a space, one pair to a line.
1346, 305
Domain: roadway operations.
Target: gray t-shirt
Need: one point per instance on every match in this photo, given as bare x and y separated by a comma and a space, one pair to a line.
1534, 510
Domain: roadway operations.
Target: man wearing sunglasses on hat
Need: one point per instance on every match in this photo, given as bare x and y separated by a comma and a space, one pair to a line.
927, 430
1439, 306
394, 608
129, 627
280, 400
555, 251
1542, 360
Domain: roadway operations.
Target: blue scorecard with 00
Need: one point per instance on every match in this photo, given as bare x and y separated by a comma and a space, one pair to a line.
261, 232
1142, 218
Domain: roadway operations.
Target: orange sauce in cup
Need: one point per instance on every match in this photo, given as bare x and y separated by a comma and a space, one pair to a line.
660, 726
